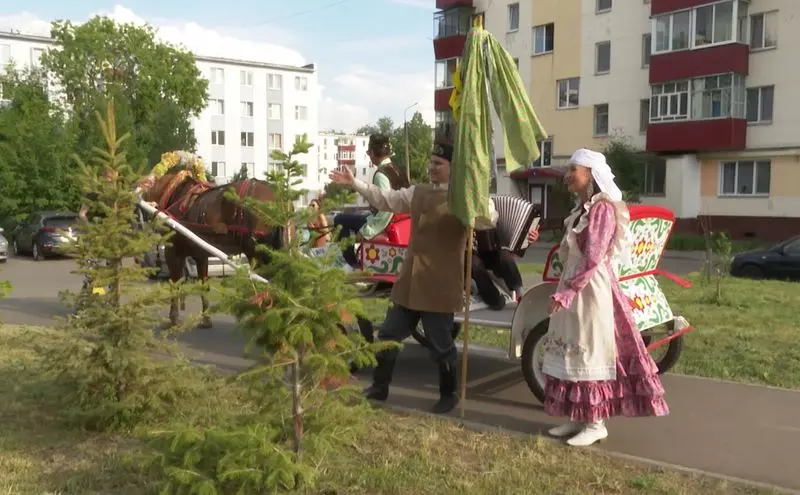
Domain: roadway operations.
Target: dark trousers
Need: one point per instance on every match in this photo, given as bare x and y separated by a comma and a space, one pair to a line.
438, 327
503, 267
350, 223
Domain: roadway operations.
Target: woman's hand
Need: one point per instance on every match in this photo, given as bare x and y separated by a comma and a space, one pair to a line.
555, 307
533, 235
342, 176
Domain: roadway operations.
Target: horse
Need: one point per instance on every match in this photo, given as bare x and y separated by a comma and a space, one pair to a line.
204, 209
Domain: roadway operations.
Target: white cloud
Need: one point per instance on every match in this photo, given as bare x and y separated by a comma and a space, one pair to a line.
355, 96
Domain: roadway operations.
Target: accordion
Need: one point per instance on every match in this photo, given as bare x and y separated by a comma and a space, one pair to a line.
514, 219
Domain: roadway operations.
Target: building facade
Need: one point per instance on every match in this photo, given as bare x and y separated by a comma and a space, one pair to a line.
253, 108
335, 150
692, 81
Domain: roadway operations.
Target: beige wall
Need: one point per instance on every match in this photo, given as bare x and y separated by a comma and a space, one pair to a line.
783, 200
572, 128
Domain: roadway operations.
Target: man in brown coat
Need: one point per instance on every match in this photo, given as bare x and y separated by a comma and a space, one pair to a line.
430, 287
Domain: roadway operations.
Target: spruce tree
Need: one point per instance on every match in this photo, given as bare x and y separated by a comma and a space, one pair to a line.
113, 378
294, 324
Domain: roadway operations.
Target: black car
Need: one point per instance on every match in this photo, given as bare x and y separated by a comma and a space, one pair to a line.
44, 232
781, 261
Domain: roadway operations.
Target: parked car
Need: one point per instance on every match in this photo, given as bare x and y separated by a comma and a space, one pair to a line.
44, 233
216, 268
781, 261
3, 247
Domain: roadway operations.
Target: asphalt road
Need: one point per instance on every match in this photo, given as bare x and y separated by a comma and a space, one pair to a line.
735, 430
679, 263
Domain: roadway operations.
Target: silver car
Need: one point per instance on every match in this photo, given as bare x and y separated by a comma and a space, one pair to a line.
216, 268
3, 247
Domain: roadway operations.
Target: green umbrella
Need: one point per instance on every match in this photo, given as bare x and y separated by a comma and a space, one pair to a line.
486, 78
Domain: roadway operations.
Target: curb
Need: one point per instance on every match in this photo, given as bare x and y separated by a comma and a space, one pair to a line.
484, 428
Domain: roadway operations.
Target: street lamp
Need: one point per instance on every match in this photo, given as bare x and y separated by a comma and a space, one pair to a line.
405, 131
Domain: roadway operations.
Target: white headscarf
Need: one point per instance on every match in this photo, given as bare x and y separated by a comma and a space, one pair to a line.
604, 177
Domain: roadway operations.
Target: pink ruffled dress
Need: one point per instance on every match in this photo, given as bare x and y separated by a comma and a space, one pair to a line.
596, 365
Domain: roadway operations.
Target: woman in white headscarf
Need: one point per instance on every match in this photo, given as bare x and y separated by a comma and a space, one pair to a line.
595, 363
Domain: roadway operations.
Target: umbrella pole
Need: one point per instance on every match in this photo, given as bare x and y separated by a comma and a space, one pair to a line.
465, 330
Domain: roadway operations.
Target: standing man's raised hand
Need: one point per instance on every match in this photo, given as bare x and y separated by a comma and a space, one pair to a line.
342, 176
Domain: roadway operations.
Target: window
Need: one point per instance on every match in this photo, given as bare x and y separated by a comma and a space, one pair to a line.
644, 114
275, 81
713, 24
300, 113
218, 138
601, 120
250, 167
274, 111
452, 22
218, 169
301, 83
217, 106
247, 109
602, 57
647, 41
720, 96
247, 139
444, 72
543, 37
744, 178
513, 17
245, 78
763, 30
445, 126
669, 101
654, 177
672, 31
36, 54
217, 75
568, 92
5, 56
603, 6
759, 104
546, 153
276, 141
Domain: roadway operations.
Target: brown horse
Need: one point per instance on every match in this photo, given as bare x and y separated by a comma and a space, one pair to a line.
206, 211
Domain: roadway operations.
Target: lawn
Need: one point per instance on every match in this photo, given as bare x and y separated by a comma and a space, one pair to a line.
398, 454
750, 337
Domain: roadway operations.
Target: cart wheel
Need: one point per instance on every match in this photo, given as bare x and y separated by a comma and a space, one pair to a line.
532, 356
672, 354
419, 334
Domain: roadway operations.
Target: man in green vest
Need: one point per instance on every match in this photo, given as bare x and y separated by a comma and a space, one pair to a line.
430, 287
387, 177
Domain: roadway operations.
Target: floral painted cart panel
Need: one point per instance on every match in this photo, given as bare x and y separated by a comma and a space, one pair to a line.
383, 259
650, 227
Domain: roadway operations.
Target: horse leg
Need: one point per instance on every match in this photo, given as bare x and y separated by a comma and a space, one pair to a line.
175, 266
202, 274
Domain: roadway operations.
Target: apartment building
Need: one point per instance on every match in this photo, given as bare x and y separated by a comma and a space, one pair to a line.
693, 81
336, 150
253, 108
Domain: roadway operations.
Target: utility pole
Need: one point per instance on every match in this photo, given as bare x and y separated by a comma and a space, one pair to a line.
405, 131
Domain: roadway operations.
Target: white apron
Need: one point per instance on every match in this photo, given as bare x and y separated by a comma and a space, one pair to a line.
580, 342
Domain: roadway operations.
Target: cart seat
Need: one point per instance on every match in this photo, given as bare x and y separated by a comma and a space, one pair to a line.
398, 232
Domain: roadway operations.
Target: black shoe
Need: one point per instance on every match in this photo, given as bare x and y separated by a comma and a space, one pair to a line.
376, 393
445, 404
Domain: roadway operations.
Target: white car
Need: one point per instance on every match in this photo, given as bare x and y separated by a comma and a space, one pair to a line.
3, 247
216, 268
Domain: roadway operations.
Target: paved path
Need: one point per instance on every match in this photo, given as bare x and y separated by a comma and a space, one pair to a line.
731, 429
677, 262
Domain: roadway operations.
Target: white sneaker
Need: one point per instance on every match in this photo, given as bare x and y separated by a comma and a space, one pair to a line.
565, 430
589, 435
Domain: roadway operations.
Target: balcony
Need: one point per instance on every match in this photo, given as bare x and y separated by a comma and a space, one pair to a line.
686, 64
447, 4
346, 147
445, 125
453, 22
441, 99
697, 135
662, 6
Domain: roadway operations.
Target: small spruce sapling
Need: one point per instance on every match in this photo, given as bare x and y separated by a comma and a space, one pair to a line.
113, 378
295, 324
722, 248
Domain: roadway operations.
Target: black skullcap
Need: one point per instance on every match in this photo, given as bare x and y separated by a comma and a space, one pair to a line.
380, 144
443, 149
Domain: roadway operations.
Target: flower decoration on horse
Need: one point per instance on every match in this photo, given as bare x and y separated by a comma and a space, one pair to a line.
189, 162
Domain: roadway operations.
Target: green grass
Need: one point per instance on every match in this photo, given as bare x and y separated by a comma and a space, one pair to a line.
397, 455
750, 337
685, 242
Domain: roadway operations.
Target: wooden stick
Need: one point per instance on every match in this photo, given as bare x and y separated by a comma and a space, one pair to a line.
465, 328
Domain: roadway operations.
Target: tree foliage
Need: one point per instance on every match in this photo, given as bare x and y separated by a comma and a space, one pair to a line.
420, 143
295, 326
159, 84
628, 164
36, 141
113, 378
241, 174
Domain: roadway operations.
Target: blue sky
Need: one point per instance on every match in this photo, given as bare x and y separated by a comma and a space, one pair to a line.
375, 57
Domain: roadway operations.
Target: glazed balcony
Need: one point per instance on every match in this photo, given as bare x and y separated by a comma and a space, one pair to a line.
687, 64
661, 6
347, 147
441, 99
448, 4
697, 135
